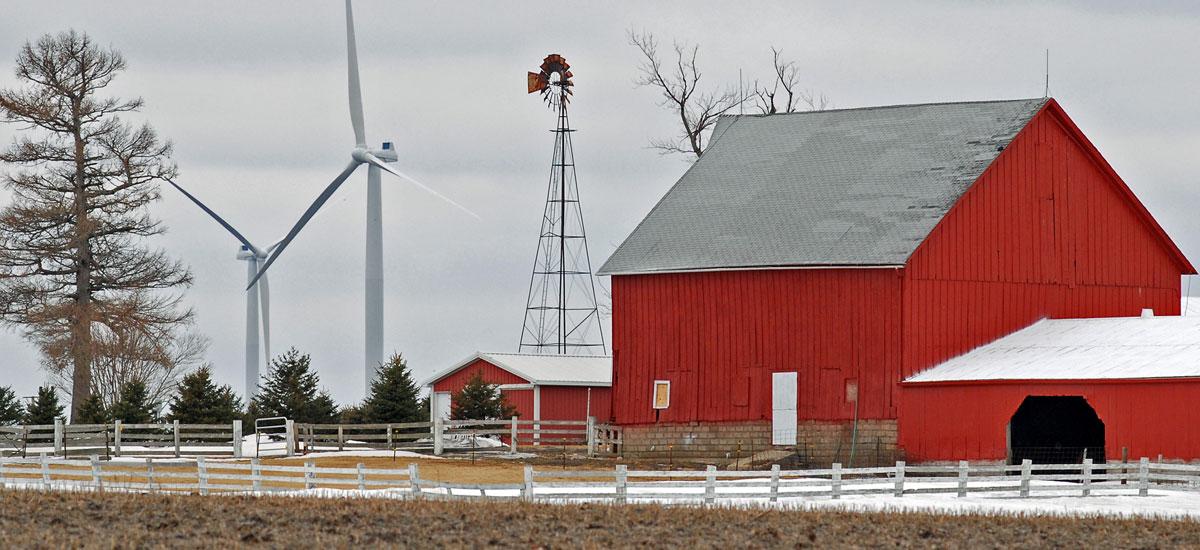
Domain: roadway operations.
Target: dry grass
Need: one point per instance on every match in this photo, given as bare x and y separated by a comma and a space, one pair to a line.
31, 519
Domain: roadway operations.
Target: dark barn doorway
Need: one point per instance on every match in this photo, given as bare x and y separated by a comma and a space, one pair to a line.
1056, 430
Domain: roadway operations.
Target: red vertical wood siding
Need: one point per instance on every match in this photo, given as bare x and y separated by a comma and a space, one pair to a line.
491, 373
522, 400
718, 336
969, 421
1046, 231
571, 403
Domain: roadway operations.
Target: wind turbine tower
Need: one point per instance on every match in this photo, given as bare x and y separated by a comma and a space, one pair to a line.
256, 302
376, 161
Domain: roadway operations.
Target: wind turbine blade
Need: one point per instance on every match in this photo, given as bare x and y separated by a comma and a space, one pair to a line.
274, 245
356, 107
374, 160
214, 215
308, 214
264, 313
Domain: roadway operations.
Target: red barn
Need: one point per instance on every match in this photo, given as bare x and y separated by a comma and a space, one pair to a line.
808, 263
541, 387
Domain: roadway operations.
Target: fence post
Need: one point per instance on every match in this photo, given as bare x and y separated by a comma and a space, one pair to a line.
963, 472
202, 475
58, 436
414, 479
289, 427
1087, 476
512, 436
1143, 477
362, 477
389, 436
96, 479
898, 489
175, 426
836, 479
117, 437
310, 474
45, 471
255, 474
1026, 471
527, 493
622, 483
1, 471
437, 436
341, 438
774, 483
591, 436
149, 474
710, 484
237, 439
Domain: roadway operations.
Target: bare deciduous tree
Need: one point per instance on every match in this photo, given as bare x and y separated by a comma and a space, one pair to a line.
697, 110
787, 83
74, 261
118, 358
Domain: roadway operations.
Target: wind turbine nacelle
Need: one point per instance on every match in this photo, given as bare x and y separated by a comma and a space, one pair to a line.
387, 153
244, 253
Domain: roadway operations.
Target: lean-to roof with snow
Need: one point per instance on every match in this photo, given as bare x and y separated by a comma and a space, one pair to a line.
543, 370
1082, 349
848, 187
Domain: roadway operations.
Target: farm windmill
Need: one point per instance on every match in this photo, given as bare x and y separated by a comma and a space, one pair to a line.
376, 160
258, 296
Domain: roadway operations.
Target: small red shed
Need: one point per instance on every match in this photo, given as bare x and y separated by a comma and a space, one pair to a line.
541, 387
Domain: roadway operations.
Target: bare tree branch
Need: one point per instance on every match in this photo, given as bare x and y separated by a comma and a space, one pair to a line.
697, 111
793, 98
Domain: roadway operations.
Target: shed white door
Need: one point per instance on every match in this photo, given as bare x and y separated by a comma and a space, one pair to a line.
783, 408
441, 405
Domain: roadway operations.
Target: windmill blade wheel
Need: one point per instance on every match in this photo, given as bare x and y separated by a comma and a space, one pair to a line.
553, 80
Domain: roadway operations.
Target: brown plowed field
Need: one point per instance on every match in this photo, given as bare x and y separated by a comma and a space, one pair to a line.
32, 519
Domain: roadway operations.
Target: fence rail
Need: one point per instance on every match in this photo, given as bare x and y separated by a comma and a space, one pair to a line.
286, 437
619, 485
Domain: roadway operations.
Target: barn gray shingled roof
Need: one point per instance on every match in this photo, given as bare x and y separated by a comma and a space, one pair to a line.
849, 187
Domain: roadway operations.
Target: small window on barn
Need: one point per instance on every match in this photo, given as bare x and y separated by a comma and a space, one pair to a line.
851, 390
662, 394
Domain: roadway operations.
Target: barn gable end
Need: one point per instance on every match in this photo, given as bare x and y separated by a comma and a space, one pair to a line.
1048, 230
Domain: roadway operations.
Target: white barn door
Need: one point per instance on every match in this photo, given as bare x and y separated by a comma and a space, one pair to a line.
783, 408
441, 405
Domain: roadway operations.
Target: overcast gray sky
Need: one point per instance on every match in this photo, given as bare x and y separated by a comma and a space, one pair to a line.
254, 96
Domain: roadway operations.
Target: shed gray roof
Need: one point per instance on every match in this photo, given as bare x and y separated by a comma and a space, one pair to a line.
849, 187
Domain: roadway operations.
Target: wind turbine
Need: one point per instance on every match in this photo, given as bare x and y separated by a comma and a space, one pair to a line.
376, 160
254, 298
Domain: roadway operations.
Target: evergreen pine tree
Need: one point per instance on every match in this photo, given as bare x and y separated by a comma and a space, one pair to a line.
291, 389
352, 414
479, 400
394, 395
11, 410
201, 401
93, 411
45, 407
133, 405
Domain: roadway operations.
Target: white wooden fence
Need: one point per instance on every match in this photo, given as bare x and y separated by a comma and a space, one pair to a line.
175, 439
121, 439
619, 485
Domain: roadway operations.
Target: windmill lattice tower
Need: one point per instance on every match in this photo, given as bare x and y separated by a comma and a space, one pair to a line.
561, 314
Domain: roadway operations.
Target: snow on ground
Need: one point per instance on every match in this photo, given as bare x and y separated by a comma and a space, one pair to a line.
1049, 498
320, 452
